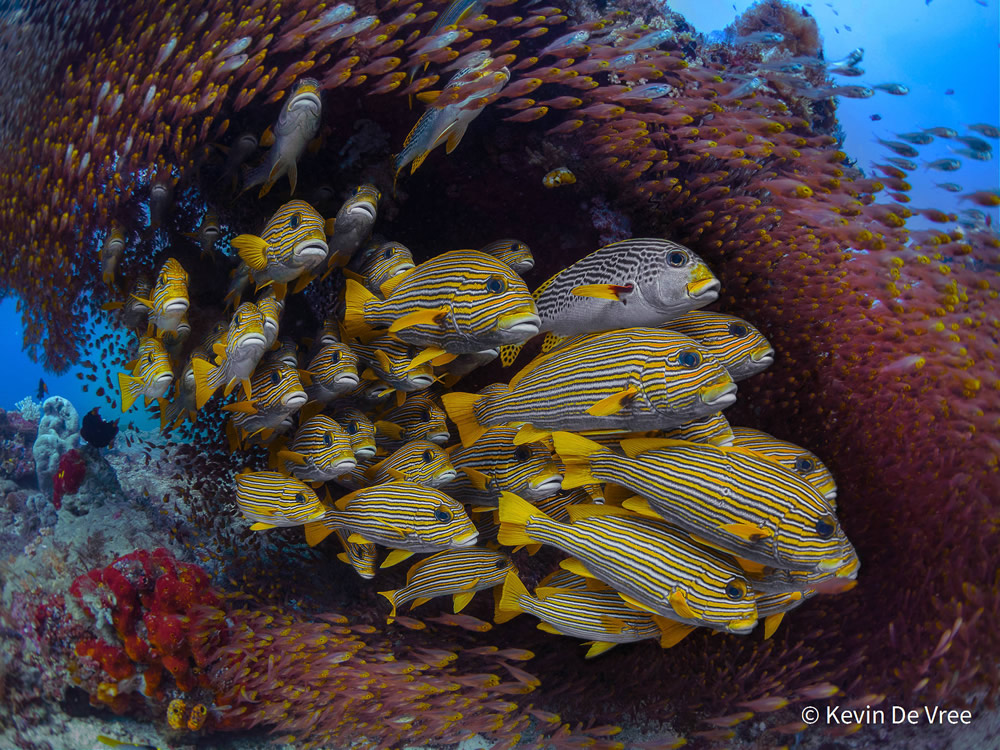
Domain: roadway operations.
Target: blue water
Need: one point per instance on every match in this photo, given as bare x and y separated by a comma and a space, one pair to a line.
931, 48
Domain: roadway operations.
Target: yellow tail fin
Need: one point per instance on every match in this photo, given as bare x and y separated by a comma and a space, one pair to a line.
509, 606
356, 297
461, 408
316, 532
203, 370
129, 389
514, 516
391, 596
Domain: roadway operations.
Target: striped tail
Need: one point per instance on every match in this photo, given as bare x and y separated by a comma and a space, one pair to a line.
391, 596
576, 453
206, 380
130, 389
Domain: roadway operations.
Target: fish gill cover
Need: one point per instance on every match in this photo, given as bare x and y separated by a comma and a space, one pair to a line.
122, 121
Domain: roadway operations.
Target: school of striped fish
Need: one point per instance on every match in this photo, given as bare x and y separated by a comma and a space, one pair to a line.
610, 445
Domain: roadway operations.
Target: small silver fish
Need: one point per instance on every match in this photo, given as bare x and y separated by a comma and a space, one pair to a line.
897, 89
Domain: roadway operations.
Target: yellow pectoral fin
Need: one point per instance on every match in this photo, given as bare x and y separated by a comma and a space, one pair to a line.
597, 648
252, 250
635, 603
393, 558
316, 532
462, 600
750, 566
294, 456
641, 506
771, 623
613, 403
529, 434
671, 631
261, 526
748, 531
479, 480
356, 538
430, 354
546, 628
679, 602
420, 317
392, 282
613, 292
243, 407
575, 567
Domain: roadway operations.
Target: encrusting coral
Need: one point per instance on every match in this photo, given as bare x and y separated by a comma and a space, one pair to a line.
886, 337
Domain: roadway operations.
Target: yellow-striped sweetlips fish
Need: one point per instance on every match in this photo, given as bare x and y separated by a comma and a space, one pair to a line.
271, 309
739, 346
359, 428
419, 461
271, 499
151, 373
632, 379
169, 300
357, 478
461, 301
771, 608
560, 578
135, 309
380, 262
277, 395
494, 465
236, 356
111, 254
729, 497
173, 341
794, 458
400, 515
391, 361
713, 429
371, 394
184, 402
297, 124
319, 451
458, 573
333, 372
513, 252
653, 566
420, 418
628, 284
557, 506
284, 352
292, 244
768, 580
352, 225
597, 616
360, 556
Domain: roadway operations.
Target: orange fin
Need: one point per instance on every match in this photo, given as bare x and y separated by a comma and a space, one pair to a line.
613, 403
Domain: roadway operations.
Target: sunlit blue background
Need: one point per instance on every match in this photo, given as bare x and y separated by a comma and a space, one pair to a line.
929, 47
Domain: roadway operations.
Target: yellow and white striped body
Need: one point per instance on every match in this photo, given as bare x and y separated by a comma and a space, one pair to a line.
333, 371
360, 431
794, 458
319, 451
381, 263
352, 225
277, 395
151, 374
270, 499
513, 252
391, 361
526, 470
271, 309
237, 354
420, 418
461, 301
739, 346
293, 242
456, 572
169, 301
419, 461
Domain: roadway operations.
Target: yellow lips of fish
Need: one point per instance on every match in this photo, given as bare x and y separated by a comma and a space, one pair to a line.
836, 564
703, 283
741, 626
524, 319
465, 540
710, 394
762, 353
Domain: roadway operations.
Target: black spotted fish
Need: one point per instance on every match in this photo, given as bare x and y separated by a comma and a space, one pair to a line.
632, 379
319, 451
271, 500
297, 124
419, 461
458, 573
495, 465
236, 356
292, 244
729, 497
151, 374
739, 346
793, 457
654, 567
461, 301
513, 252
400, 515
637, 282
600, 617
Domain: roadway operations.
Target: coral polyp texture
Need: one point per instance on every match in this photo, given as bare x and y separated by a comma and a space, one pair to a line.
886, 338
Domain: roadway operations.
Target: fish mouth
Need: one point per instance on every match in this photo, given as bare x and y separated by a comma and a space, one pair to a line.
344, 466
346, 377
522, 323
524, 266
294, 399
311, 249
719, 396
447, 476
365, 451
401, 268
422, 381
830, 494
841, 565
465, 540
366, 207
441, 438
548, 484
251, 340
164, 379
707, 289
763, 356
850, 570
306, 97
176, 305
741, 626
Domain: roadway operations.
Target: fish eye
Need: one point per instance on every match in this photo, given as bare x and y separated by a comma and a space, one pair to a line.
149, 358
425, 415
387, 253
513, 247
335, 357
736, 589
351, 428
689, 358
299, 497
427, 456
328, 439
803, 464
677, 258
294, 219
738, 330
442, 514
275, 378
500, 564
825, 527
496, 284
522, 453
